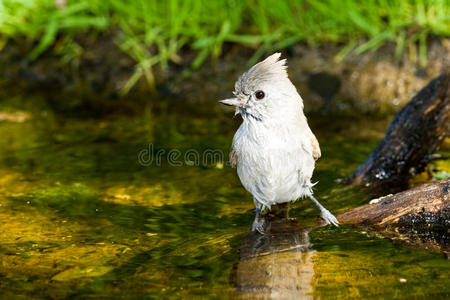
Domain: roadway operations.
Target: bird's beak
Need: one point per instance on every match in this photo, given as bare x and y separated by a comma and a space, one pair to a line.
231, 102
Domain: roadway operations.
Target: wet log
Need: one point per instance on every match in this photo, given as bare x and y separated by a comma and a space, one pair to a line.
415, 133
420, 214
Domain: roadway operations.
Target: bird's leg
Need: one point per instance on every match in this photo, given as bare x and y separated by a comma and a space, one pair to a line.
324, 213
258, 207
259, 222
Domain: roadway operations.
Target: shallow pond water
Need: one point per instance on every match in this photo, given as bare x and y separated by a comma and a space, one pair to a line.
102, 208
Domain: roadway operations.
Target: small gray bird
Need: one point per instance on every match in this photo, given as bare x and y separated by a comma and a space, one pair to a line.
274, 150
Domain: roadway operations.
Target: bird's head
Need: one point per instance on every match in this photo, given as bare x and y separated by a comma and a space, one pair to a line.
265, 91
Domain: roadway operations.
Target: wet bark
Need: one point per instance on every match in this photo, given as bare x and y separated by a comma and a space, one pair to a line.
416, 132
420, 215
386, 210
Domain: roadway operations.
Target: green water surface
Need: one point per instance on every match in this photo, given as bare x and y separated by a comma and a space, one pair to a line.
81, 217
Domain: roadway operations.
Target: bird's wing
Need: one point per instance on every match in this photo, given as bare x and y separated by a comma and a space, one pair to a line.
233, 158
315, 146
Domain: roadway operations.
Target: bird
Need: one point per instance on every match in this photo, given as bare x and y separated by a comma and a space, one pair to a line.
273, 150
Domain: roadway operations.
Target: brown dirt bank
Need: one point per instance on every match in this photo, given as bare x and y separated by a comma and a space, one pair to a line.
371, 82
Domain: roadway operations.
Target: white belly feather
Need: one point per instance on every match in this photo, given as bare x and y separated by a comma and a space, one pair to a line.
272, 163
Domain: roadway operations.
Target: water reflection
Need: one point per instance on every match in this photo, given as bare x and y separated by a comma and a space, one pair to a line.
277, 264
82, 218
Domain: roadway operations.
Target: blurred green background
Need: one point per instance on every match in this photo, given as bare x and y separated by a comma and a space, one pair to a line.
158, 32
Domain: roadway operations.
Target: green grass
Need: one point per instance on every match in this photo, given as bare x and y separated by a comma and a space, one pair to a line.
152, 32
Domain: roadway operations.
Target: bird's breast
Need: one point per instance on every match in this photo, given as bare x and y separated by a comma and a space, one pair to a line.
268, 148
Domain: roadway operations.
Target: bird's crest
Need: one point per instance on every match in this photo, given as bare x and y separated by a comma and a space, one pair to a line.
269, 69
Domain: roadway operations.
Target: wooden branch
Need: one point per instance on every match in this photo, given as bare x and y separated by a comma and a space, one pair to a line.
431, 197
421, 214
417, 130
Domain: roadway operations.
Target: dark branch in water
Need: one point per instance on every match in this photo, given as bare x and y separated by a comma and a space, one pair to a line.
420, 215
416, 132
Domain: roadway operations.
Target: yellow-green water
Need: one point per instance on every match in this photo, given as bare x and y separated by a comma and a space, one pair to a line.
81, 217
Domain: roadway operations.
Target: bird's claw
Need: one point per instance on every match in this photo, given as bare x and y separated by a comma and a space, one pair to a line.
329, 217
259, 225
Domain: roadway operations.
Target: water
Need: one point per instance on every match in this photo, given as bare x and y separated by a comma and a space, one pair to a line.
81, 217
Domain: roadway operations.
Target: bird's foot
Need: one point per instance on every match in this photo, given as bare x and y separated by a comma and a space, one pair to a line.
259, 224
329, 217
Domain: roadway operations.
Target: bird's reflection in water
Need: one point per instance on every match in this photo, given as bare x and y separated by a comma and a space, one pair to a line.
278, 264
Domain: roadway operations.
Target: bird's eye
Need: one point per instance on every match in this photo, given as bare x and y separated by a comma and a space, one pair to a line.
259, 95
